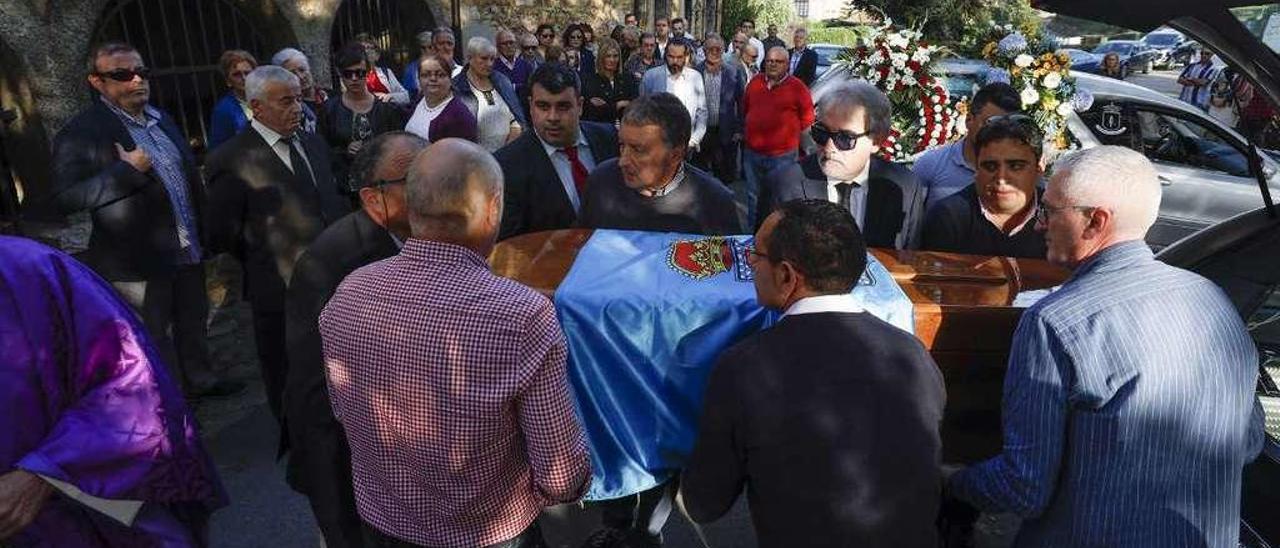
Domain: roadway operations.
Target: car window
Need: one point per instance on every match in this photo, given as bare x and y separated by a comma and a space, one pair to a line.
1178, 139
1264, 325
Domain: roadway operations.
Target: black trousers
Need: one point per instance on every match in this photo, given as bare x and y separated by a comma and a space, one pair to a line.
531, 537
714, 157
269, 334
642, 515
174, 308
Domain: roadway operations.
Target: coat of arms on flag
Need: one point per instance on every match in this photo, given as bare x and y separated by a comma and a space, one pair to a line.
706, 257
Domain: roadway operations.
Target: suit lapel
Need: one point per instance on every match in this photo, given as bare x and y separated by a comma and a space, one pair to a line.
545, 173
815, 181
884, 208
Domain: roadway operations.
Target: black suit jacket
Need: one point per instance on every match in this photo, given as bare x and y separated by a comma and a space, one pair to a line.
895, 198
533, 197
134, 233
320, 460
807, 68
264, 214
831, 420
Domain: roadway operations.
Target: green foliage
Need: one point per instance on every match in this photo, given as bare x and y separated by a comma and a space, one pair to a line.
826, 34
763, 12
963, 25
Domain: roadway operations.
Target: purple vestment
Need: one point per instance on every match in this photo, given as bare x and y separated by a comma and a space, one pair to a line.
84, 399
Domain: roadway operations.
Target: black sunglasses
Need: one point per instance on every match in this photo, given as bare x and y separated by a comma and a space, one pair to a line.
845, 140
126, 75
353, 74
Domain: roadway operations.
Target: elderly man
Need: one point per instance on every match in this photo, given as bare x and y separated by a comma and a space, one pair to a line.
270, 194
748, 30
545, 171
995, 214
776, 108
948, 169
718, 150
320, 463
650, 186
468, 451
1112, 436
685, 83
884, 198
438, 42
128, 165
313, 96
830, 418
510, 64
97, 447
643, 59
803, 61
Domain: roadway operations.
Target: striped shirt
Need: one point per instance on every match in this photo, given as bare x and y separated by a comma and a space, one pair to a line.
1129, 411
450, 384
1198, 95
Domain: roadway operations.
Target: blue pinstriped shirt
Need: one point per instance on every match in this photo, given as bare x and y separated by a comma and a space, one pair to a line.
1129, 411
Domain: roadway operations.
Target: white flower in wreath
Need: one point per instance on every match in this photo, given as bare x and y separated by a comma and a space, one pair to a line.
898, 40
1023, 60
899, 64
909, 80
875, 58
1030, 96
921, 56
1064, 108
1052, 80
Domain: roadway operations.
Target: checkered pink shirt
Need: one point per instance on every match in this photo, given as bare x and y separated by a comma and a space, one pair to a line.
450, 384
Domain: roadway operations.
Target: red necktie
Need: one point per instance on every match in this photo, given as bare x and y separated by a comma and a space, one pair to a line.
579, 170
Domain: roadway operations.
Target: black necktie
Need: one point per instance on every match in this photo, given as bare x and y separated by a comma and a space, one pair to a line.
300, 167
843, 190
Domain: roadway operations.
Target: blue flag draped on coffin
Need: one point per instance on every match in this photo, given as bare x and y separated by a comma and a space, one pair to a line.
646, 315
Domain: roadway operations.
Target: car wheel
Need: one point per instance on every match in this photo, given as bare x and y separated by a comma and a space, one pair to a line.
1146, 67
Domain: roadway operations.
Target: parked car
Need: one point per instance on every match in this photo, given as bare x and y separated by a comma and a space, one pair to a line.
1085, 61
1134, 55
1164, 42
827, 54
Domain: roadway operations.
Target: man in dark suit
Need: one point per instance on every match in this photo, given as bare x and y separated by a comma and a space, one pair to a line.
320, 460
884, 198
804, 61
129, 166
723, 84
270, 194
545, 170
830, 418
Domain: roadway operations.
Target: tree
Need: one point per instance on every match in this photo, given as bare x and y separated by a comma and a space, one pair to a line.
763, 12
962, 25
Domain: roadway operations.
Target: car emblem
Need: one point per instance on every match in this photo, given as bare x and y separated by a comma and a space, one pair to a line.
1112, 122
704, 258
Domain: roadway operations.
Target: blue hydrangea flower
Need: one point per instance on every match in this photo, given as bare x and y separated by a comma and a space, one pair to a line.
994, 75
1083, 100
1012, 44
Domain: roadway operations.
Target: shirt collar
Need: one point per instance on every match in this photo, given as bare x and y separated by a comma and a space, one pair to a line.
676, 76
430, 251
667, 188
552, 149
1116, 255
1031, 215
956, 152
150, 115
267, 133
859, 181
841, 302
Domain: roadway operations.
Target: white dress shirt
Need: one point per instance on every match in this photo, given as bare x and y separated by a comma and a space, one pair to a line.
564, 168
842, 302
857, 194
280, 146
687, 86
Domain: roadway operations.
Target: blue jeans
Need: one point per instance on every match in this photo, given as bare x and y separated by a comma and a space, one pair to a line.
754, 168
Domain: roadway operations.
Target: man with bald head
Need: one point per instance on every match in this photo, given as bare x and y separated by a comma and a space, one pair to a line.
320, 463
1129, 407
448, 380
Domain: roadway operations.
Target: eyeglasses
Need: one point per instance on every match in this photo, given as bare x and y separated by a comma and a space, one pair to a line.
126, 75
382, 182
353, 74
1044, 210
434, 75
754, 256
776, 61
845, 140
530, 48
547, 35
506, 42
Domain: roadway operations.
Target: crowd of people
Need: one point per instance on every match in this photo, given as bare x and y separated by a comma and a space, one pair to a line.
423, 401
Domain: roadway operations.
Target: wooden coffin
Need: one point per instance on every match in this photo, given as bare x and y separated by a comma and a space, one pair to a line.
964, 314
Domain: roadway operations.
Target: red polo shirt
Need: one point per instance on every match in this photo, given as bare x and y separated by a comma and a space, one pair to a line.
776, 116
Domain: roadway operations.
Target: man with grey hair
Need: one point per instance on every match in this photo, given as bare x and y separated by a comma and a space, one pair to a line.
885, 199
320, 461
271, 193
1129, 407
439, 41
509, 62
449, 380
313, 96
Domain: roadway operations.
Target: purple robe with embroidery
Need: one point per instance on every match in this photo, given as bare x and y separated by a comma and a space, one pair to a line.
84, 399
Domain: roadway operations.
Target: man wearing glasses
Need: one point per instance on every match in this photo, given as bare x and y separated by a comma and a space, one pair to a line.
996, 214
884, 198
128, 165
320, 462
510, 64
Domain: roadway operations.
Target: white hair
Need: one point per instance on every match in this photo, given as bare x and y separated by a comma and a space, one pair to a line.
1115, 178
289, 54
480, 45
255, 84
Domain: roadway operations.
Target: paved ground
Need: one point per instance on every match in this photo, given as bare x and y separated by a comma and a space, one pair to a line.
1162, 81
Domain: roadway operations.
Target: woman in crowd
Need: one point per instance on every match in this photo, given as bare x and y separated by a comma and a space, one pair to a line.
231, 113
440, 114
489, 95
1111, 66
348, 120
608, 89
313, 96
574, 41
380, 81
589, 38
546, 34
